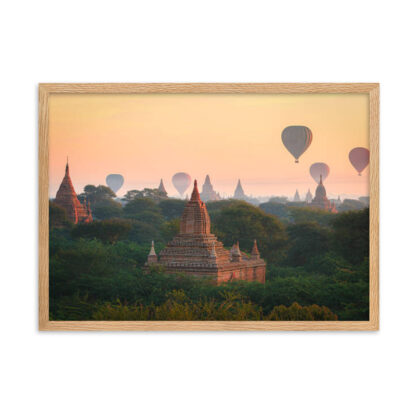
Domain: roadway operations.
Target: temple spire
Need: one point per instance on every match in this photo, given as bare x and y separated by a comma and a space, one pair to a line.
195, 218
195, 193
296, 198
152, 250
152, 257
67, 198
255, 251
239, 192
320, 179
162, 187
236, 253
309, 197
208, 193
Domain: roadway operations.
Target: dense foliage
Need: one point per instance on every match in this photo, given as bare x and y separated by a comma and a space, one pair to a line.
313, 258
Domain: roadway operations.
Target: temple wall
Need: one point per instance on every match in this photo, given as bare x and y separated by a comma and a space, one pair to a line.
249, 273
230, 272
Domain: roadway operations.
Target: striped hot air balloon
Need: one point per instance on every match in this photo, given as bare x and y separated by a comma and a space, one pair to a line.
296, 140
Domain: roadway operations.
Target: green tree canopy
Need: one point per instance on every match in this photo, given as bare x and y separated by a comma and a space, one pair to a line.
172, 208
279, 199
136, 207
307, 214
277, 209
96, 194
57, 216
351, 235
106, 209
307, 240
243, 222
216, 206
153, 194
351, 205
108, 231
143, 232
170, 229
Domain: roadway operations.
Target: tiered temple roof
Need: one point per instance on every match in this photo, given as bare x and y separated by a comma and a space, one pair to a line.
66, 198
196, 251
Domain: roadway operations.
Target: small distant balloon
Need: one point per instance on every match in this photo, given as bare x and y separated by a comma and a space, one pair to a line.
318, 169
114, 182
359, 158
181, 182
296, 140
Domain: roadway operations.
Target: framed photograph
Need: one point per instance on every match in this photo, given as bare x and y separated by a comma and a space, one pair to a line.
208, 207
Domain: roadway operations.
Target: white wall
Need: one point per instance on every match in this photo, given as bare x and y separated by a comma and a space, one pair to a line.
206, 374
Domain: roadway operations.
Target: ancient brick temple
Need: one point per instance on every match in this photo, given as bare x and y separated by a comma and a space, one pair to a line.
208, 193
195, 251
321, 201
66, 198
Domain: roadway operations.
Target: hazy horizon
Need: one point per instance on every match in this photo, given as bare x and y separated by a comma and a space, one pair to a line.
146, 137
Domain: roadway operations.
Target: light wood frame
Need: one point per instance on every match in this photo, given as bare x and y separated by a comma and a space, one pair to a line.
45, 90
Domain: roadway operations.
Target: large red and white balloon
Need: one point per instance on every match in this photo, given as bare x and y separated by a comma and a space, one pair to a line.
181, 182
319, 169
296, 140
359, 158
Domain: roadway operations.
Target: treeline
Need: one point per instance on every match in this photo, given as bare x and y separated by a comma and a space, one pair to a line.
232, 308
315, 259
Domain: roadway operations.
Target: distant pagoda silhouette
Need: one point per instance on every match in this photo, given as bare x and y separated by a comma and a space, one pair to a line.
196, 251
162, 189
66, 198
296, 198
239, 192
321, 201
308, 197
208, 193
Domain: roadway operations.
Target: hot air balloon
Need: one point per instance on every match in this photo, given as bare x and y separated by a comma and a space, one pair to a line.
296, 139
114, 182
181, 182
318, 169
359, 158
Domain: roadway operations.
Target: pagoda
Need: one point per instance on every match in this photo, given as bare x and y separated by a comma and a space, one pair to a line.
66, 198
321, 201
239, 192
296, 198
196, 251
208, 193
162, 189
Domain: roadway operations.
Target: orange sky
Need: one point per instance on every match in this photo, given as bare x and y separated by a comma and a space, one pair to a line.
146, 137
